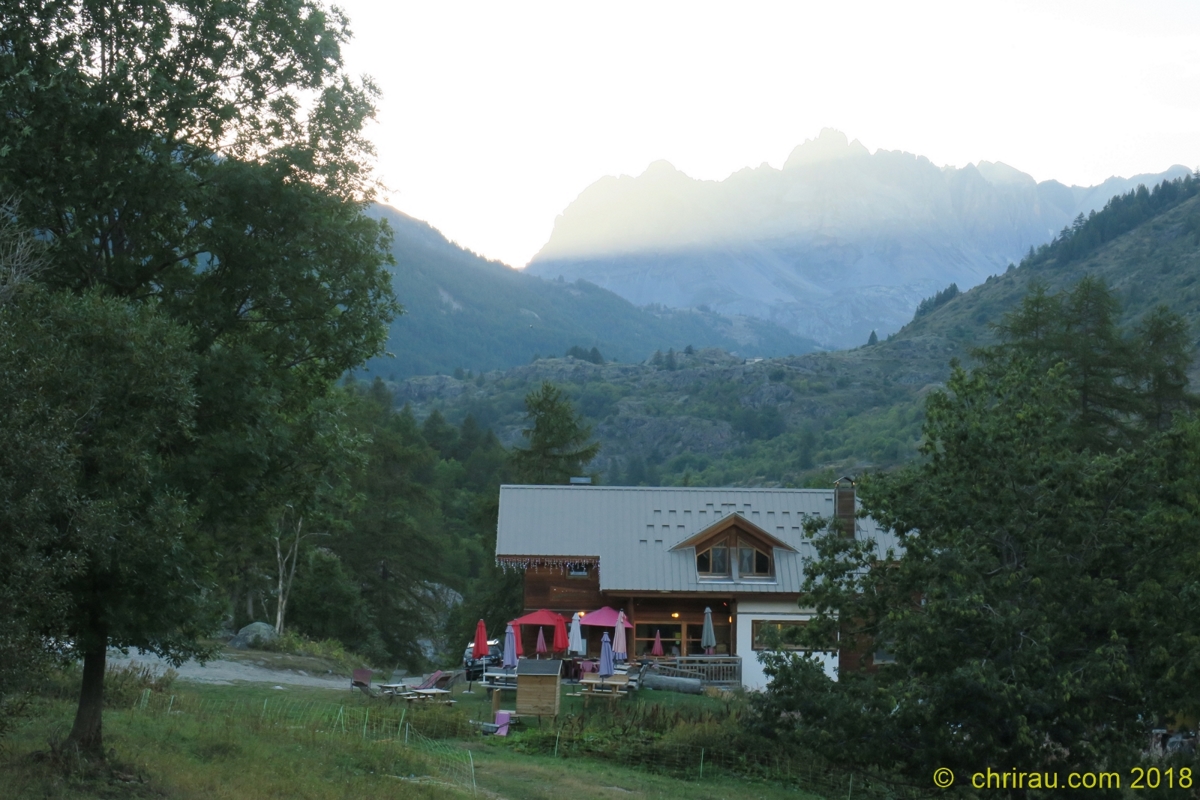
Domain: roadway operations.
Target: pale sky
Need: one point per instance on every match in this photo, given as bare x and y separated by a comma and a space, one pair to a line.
495, 116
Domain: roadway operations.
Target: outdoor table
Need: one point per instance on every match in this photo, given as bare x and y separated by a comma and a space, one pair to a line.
612, 687
393, 688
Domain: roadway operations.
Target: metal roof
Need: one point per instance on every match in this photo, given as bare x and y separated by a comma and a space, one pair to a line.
631, 530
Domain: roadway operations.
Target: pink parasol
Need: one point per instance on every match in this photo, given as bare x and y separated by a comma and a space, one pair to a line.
618, 644
605, 617
480, 648
541, 642
657, 650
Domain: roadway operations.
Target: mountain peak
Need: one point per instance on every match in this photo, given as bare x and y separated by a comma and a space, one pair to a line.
830, 145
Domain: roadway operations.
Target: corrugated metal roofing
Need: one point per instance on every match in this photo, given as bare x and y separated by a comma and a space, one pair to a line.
632, 530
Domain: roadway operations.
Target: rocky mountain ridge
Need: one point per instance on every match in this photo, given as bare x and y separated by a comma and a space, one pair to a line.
837, 243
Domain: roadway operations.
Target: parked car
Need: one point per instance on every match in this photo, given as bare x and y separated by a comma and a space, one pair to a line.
474, 667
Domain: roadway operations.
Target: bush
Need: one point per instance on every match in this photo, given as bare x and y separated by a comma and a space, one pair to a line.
298, 644
123, 685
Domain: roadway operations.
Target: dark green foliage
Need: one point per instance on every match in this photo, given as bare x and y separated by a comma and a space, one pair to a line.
873, 339
1124, 384
207, 163
593, 356
559, 446
930, 303
1035, 613
97, 400
1120, 215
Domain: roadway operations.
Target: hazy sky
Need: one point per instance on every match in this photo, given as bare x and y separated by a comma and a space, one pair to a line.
495, 116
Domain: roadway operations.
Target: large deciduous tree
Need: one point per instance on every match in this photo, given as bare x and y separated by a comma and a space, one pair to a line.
206, 160
97, 400
1041, 608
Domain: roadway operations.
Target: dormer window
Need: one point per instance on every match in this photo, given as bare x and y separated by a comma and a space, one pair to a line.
734, 548
713, 562
753, 561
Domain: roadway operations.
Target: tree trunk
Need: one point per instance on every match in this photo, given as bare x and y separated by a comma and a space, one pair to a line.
86, 733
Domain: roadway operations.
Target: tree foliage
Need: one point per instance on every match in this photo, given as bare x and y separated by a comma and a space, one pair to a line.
98, 403
559, 445
206, 161
1040, 604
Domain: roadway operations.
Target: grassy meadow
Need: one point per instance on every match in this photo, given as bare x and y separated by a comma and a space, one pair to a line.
179, 740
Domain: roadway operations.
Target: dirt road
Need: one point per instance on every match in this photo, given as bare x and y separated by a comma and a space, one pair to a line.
251, 667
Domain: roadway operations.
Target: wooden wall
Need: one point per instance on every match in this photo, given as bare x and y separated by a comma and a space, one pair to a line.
554, 589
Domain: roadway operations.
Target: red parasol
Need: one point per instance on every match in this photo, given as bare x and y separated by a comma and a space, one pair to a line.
480, 648
657, 650
560, 635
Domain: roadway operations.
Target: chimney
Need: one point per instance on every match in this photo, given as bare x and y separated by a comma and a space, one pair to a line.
843, 505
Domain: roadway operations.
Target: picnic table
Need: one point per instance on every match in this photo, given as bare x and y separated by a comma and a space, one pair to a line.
405, 692
592, 685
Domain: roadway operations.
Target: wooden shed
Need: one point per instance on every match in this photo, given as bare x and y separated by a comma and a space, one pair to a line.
539, 687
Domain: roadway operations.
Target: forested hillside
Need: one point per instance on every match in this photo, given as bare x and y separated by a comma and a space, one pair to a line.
708, 418
465, 312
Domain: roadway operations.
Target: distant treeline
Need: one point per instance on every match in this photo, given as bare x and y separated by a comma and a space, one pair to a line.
1120, 215
939, 299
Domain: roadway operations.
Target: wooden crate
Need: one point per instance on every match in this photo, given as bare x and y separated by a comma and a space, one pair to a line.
539, 687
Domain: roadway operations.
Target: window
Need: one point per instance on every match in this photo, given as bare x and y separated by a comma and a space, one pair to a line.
752, 561
579, 571
714, 561
767, 634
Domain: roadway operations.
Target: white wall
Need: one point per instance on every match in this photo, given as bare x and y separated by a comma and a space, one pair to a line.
753, 677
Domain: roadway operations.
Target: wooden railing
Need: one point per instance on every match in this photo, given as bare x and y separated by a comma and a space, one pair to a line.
711, 670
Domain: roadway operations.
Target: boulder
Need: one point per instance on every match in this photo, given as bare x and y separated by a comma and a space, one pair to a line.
255, 634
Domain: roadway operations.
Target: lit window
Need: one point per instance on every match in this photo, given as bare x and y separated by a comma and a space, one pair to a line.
766, 634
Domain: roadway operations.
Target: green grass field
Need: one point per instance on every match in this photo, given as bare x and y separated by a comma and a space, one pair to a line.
253, 741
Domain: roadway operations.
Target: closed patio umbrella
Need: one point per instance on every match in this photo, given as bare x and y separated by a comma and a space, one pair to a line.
510, 648
619, 651
605, 669
575, 640
657, 650
541, 643
708, 637
560, 635
479, 648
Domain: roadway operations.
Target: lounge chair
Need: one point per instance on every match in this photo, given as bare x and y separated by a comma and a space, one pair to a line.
432, 680
361, 680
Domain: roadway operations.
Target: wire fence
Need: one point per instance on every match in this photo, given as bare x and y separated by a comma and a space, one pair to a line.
426, 749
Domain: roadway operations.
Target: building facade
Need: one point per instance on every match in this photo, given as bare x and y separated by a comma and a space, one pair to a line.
664, 555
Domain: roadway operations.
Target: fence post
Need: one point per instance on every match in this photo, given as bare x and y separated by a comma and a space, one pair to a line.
850, 793
366, 717
406, 727
471, 761
701, 763
556, 738
263, 715
170, 705
403, 711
